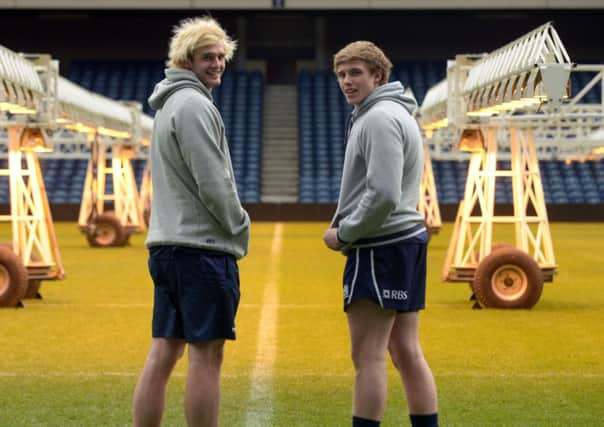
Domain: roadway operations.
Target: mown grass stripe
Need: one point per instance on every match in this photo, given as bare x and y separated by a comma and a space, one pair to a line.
260, 403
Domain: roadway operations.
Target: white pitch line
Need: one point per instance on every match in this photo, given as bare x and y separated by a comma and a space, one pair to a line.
260, 402
322, 374
245, 305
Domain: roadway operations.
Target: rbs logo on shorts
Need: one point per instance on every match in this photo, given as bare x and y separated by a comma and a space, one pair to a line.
394, 294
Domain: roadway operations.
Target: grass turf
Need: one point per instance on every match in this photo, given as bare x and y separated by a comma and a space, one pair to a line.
72, 359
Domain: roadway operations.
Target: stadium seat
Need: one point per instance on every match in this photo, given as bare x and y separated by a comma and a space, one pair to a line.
239, 99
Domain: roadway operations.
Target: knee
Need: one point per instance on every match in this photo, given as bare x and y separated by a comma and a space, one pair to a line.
364, 358
164, 357
404, 354
207, 354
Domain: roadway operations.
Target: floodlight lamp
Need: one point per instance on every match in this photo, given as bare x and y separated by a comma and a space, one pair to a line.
502, 101
499, 95
479, 104
487, 98
598, 150
471, 101
127, 151
485, 112
20, 109
436, 124
532, 89
510, 97
442, 123
114, 133
514, 92
80, 127
16, 108
25, 103
10, 100
32, 139
471, 140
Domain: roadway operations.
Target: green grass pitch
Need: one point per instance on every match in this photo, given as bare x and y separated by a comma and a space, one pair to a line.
73, 358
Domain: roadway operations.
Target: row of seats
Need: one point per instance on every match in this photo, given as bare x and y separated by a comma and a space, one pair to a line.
239, 99
322, 121
64, 179
322, 113
562, 183
132, 80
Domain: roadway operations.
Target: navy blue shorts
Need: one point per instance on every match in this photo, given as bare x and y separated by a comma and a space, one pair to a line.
196, 293
392, 276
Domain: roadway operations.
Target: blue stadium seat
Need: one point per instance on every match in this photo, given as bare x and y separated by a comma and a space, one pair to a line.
239, 99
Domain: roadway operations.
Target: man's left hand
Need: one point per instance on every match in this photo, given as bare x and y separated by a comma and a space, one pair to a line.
331, 239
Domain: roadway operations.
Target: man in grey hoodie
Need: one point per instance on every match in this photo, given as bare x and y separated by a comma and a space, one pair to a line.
198, 228
378, 227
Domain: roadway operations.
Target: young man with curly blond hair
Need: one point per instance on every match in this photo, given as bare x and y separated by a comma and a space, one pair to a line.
198, 228
378, 227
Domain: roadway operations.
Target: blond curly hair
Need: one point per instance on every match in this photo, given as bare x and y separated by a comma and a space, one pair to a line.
367, 52
191, 34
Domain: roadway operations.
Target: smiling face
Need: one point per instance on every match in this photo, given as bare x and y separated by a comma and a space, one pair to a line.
208, 64
356, 80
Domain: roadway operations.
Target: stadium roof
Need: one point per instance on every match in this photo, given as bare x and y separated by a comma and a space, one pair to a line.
303, 4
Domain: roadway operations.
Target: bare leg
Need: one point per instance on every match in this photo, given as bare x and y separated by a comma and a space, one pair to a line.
370, 328
407, 356
150, 392
202, 395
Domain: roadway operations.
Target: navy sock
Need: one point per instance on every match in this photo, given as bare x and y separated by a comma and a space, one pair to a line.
364, 422
430, 420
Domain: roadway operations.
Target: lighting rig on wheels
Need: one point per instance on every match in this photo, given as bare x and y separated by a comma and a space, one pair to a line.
37, 109
495, 105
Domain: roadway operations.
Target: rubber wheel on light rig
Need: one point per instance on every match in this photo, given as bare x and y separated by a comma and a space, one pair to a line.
107, 231
13, 278
33, 285
500, 245
508, 278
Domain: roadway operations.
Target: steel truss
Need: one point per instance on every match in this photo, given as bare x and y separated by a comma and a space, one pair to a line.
428, 199
102, 211
34, 242
35, 103
503, 105
472, 237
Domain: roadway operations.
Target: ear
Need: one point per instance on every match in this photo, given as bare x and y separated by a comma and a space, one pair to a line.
187, 64
377, 77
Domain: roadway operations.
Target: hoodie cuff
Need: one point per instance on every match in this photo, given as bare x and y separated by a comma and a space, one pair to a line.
342, 242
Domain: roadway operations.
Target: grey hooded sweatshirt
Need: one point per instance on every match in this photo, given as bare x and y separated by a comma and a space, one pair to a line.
195, 200
382, 173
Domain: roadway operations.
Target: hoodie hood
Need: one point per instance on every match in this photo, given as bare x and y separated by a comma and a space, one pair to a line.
176, 78
393, 91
